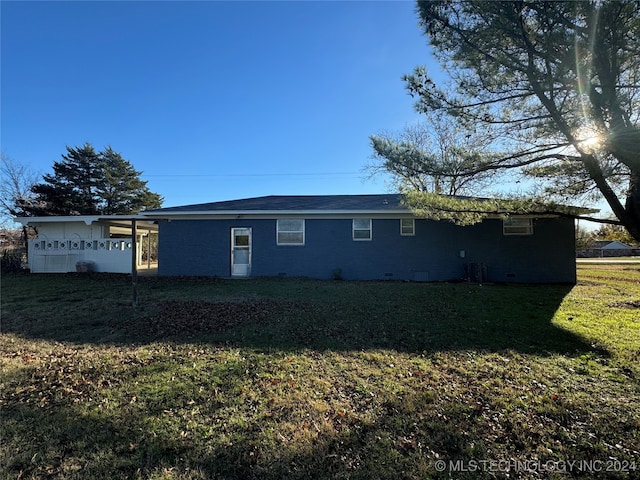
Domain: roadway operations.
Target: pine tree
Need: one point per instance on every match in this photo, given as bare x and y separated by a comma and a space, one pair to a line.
71, 189
121, 190
88, 183
555, 83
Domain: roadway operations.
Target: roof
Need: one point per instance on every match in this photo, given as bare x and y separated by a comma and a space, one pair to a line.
611, 245
327, 206
296, 203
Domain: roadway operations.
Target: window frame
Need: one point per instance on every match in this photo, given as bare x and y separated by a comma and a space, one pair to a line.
517, 227
291, 244
354, 229
413, 227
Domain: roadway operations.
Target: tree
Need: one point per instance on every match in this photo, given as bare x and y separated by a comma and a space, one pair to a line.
16, 197
584, 238
614, 233
121, 190
72, 188
433, 156
86, 182
16, 181
556, 82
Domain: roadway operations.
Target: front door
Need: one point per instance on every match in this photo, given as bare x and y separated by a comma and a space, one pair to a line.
240, 252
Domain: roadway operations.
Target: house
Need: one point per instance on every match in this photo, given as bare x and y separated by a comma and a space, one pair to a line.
352, 237
359, 237
97, 243
608, 248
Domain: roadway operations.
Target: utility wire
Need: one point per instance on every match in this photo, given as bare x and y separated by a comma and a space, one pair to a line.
223, 175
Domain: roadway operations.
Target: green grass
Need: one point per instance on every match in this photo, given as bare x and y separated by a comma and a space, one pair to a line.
292, 378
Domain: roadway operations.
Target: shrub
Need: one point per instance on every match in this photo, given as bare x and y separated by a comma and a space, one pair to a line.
11, 261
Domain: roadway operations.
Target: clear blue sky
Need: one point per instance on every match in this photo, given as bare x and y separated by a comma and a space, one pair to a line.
211, 100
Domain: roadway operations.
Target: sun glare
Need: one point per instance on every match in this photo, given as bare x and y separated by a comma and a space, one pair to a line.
588, 140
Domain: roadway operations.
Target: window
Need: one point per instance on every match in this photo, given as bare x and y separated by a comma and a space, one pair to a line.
407, 226
362, 229
517, 226
290, 231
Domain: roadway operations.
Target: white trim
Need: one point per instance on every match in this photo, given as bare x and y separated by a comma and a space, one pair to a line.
353, 230
119, 220
236, 269
275, 213
413, 227
272, 216
147, 219
291, 244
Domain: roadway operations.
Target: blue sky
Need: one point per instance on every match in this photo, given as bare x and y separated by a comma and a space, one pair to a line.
211, 100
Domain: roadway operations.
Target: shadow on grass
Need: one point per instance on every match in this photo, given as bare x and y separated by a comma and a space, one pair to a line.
290, 314
176, 440
59, 441
97, 413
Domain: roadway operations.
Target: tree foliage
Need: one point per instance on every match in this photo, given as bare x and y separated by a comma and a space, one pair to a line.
584, 238
86, 182
121, 189
71, 189
556, 82
433, 156
470, 210
614, 233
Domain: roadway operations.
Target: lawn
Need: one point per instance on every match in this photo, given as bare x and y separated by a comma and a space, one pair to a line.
293, 378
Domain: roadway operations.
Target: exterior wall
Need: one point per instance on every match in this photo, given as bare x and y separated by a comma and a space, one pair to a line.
60, 246
203, 247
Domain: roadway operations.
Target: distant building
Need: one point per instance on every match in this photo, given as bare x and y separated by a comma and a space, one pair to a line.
608, 248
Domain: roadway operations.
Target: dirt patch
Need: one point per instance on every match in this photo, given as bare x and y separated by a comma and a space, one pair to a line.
632, 304
176, 317
598, 280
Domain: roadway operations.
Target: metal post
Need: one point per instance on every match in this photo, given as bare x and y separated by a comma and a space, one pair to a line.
134, 262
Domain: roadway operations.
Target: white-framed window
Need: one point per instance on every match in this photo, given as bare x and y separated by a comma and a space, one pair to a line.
362, 229
517, 226
290, 231
407, 226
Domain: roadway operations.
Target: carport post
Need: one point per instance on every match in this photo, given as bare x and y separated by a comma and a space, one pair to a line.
134, 262
149, 249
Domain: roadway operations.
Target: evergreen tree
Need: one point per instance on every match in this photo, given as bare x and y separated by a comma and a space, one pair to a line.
71, 189
121, 190
556, 83
88, 183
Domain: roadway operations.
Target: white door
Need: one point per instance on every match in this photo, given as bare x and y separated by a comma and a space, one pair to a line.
240, 252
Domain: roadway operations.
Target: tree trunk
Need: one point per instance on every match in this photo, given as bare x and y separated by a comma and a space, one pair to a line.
25, 239
632, 206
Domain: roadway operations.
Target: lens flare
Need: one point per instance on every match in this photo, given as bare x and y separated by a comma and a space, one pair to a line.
588, 140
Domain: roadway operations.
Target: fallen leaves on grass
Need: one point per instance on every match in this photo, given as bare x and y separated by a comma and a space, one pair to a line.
175, 317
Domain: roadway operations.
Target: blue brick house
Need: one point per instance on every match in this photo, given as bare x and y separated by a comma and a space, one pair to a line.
358, 237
